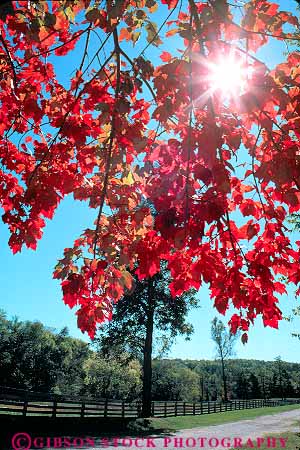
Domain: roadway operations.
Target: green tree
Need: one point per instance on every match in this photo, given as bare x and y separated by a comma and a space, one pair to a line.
279, 373
36, 358
254, 388
146, 315
173, 381
72, 354
264, 375
225, 342
27, 356
108, 377
243, 387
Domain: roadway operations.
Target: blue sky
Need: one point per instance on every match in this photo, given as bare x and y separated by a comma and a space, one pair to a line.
28, 291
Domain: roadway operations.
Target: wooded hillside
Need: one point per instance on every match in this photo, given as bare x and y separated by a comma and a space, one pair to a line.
34, 357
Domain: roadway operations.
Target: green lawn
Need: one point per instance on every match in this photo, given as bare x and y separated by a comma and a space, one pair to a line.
185, 422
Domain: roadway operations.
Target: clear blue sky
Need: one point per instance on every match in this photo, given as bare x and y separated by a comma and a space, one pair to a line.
28, 291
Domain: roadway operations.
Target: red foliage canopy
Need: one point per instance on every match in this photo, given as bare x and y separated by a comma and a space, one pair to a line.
173, 170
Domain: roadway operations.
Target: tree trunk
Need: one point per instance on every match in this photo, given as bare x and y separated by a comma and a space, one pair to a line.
224, 381
202, 389
264, 388
280, 381
147, 360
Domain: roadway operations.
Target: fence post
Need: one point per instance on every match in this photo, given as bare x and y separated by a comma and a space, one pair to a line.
123, 408
25, 405
152, 409
208, 407
54, 408
201, 408
165, 409
184, 408
175, 409
82, 410
215, 407
138, 405
105, 407
194, 408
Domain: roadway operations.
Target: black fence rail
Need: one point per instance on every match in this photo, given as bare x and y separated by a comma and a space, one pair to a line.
113, 408
171, 409
106, 408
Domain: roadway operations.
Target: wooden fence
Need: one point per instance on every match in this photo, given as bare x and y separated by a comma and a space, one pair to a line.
169, 409
111, 408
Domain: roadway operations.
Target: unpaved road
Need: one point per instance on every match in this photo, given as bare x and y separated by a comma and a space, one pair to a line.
229, 435
249, 433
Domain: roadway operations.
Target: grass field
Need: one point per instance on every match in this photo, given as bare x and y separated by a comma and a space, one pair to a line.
185, 422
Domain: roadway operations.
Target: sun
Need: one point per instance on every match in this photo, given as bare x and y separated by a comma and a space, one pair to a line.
227, 76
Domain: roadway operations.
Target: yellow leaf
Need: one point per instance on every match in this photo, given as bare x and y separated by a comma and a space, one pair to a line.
129, 180
126, 280
154, 8
152, 33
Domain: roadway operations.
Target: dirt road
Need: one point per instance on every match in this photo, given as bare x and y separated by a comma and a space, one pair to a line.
230, 435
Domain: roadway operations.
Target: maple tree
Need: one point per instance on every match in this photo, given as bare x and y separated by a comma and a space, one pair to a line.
174, 170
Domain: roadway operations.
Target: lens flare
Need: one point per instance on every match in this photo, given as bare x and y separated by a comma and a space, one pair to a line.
228, 76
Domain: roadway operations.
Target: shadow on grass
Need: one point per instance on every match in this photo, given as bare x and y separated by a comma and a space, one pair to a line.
89, 432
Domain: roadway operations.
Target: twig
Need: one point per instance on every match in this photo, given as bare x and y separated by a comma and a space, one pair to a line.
133, 65
254, 177
161, 27
10, 61
65, 118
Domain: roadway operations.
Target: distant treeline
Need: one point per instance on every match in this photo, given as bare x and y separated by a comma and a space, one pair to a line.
36, 358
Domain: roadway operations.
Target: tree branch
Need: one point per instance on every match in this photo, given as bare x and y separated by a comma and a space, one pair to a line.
117, 51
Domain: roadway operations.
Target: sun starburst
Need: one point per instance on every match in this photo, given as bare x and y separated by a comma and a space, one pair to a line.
228, 76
